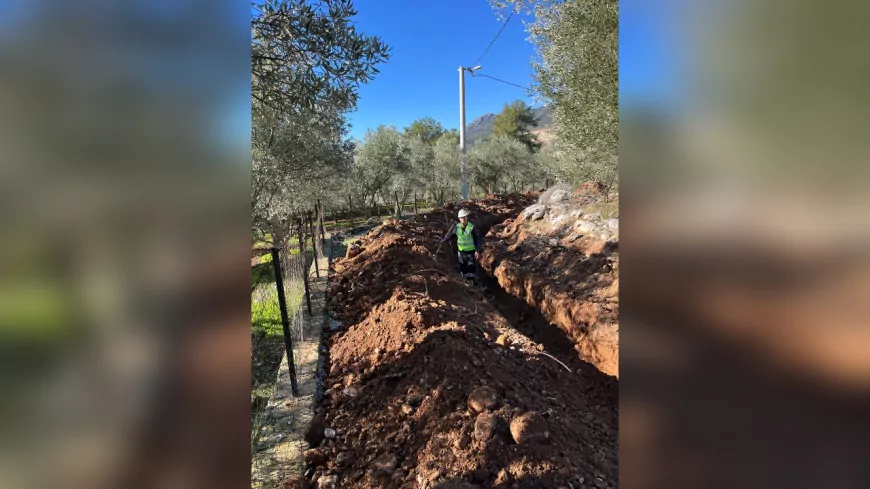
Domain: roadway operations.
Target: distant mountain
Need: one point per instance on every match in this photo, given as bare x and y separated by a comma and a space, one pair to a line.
482, 126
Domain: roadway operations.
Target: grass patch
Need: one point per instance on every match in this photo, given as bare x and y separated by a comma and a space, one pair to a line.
267, 332
608, 210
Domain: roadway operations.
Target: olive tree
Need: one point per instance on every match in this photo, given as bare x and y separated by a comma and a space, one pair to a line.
382, 164
576, 73
307, 62
445, 174
497, 161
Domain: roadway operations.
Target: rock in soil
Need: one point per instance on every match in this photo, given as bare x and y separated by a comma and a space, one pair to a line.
345, 459
327, 482
503, 340
443, 358
484, 426
315, 456
295, 482
384, 465
463, 441
314, 435
414, 400
483, 399
530, 428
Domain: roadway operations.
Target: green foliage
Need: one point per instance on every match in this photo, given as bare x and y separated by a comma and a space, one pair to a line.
497, 161
382, 164
427, 129
446, 174
515, 121
307, 61
577, 73
305, 55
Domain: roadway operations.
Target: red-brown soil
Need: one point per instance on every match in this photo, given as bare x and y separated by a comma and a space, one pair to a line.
574, 285
417, 342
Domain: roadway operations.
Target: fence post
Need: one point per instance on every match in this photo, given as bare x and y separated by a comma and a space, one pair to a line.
320, 221
285, 320
305, 263
313, 244
415, 203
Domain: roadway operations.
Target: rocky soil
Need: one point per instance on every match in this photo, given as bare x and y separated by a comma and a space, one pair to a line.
562, 259
431, 385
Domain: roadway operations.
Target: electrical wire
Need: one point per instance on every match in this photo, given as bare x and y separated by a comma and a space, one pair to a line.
493, 39
500, 80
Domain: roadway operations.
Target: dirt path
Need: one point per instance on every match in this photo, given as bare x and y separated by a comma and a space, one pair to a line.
430, 383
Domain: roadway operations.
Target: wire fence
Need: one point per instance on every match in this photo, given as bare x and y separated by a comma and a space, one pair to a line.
281, 313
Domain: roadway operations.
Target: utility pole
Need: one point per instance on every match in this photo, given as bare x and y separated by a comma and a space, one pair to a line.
463, 158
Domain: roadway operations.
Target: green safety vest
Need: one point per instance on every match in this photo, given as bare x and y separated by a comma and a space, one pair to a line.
464, 239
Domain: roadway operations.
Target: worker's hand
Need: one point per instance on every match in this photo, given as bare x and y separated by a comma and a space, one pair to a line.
476, 255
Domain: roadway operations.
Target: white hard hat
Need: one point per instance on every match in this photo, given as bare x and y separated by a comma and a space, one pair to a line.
463, 213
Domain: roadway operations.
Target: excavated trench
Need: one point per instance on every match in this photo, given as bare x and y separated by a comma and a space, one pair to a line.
562, 292
432, 383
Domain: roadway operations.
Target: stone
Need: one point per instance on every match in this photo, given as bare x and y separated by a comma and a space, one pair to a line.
560, 195
529, 428
612, 224
295, 481
462, 441
535, 212
329, 433
503, 340
583, 227
484, 426
407, 409
315, 456
554, 241
327, 482
351, 392
483, 398
346, 459
314, 435
384, 465
352, 251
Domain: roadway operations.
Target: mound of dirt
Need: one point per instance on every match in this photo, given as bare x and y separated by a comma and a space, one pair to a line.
564, 264
420, 394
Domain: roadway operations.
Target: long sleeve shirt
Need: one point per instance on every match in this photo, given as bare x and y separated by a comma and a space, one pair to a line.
452, 234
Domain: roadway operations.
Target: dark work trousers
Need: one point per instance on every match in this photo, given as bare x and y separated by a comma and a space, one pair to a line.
466, 263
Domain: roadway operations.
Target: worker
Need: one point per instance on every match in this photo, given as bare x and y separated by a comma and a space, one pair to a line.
468, 242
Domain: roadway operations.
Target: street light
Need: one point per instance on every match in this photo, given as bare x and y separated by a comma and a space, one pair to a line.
463, 159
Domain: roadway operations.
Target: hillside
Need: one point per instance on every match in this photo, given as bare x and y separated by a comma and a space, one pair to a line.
482, 126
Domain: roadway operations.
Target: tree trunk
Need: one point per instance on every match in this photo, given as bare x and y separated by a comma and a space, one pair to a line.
415, 203
350, 209
398, 206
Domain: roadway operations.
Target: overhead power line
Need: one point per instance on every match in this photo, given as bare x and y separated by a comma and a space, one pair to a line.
500, 80
493, 39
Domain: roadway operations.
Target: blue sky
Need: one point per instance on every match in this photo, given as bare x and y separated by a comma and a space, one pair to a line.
649, 63
430, 40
